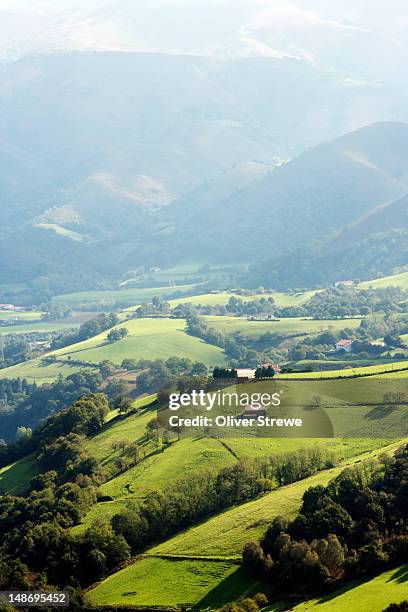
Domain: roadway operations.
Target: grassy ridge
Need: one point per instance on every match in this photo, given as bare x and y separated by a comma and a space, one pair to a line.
373, 595
36, 371
282, 300
395, 280
159, 582
284, 327
147, 339
137, 296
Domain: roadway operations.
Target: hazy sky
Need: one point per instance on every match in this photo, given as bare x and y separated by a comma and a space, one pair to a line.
336, 34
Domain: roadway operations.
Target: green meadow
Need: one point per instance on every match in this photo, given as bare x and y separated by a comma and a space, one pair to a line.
200, 560
22, 316
137, 296
14, 478
31, 328
163, 583
281, 327
37, 371
373, 595
147, 339
395, 280
282, 300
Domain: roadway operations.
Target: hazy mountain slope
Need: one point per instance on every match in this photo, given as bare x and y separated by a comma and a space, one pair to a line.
93, 143
308, 200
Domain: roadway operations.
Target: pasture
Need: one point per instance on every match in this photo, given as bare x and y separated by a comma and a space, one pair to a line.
110, 297
394, 280
282, 300
5, 315
37, 371
164, 583
280, 327
374, 594
146, 339
35, 327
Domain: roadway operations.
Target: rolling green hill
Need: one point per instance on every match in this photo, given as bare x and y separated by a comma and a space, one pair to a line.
219, 540
137, 296
395, 280
283, 327
39, 372
282, 300
147, 339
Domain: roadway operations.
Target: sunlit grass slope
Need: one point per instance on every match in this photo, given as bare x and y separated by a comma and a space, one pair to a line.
281, 327
147, 339
372, 595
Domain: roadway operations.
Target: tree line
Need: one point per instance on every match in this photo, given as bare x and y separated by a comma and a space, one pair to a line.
357, 526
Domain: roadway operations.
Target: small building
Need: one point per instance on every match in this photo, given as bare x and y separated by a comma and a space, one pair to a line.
246, 373
251, 412
344, 283
344, 345
275, 367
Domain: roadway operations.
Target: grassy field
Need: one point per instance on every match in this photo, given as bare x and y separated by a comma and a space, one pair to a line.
147, 339
160, 582
36, 371
389, 369
31, 328
281, 327
14, 479
372, 595
395, 280
22, 316
137, 296
221, 299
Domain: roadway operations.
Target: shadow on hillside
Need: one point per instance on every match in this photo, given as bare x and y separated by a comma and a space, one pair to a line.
380, 412
400, 576
237, 585
344, 589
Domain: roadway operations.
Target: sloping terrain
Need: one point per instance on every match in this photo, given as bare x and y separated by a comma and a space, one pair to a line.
374, 595
311, 198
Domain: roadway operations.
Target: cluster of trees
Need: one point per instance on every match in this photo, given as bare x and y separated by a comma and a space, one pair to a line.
341, 302
36, 547
156, 307
224, 373
55, 311
238, 306
26, 404
87, 330
356, 526
237, 352
117, 334
247, 604
163, 373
